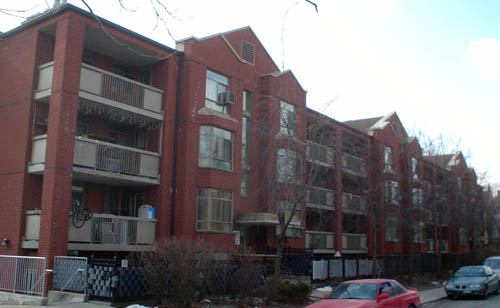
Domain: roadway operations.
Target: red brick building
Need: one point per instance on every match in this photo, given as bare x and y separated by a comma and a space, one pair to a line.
215, 139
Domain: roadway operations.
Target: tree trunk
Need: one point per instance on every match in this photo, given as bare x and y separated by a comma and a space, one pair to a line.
374, 250
438, 248
410, 262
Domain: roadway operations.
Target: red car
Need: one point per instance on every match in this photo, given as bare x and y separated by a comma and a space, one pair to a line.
370, 293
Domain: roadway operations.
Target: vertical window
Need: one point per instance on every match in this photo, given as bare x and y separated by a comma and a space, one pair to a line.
216, 84
414, 168
214, 212
462, 236
82, 125
392, 229
216, 148
141, 139
288, 119
388, 160
417, 197
289, 167
246, 145
418, 232
392, 195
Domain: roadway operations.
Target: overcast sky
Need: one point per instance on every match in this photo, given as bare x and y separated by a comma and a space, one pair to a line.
436, 63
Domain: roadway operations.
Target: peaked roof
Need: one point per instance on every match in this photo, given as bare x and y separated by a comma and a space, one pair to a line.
446, 161
363, 125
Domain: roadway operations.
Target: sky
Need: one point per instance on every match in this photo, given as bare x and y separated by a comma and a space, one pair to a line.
435, 63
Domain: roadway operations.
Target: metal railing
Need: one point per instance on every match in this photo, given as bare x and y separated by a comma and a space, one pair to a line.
352, 203
353, 164
114, 159
351, 241
114, 230
321, 154
320, 197
319, 240
24, 275
70, 273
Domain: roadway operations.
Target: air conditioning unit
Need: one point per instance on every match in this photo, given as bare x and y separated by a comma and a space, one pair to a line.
225, 98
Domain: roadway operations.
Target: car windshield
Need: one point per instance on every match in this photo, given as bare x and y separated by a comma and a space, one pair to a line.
470, 272
494, 264
355, 291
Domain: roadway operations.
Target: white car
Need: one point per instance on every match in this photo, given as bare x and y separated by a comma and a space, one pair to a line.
494, 263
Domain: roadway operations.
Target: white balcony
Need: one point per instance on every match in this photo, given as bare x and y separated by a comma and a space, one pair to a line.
321, 198
109, 89
103, 162
354, 165
354, 243
320, 154
354, 204
320, 241
103, 232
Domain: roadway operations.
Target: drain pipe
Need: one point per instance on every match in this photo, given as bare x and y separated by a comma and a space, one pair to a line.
173, 190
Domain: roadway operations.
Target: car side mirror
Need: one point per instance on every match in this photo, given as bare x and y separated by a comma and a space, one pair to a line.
382, 297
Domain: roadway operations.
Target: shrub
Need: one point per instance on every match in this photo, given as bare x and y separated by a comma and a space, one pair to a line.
293, 292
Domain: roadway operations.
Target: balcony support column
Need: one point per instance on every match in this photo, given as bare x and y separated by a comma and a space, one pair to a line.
57, 178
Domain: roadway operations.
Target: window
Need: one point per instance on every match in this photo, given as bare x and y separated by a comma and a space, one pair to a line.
82, 125
388, 160
418, 232
288, 119
120, 134
414, 168
417, 197
216, 84
216, 148
145, 77
215, 210
392, 229
462, 236
123, 201
289, 167
141, 139
392, 195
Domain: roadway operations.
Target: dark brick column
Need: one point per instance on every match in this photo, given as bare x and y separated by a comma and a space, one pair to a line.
56, 191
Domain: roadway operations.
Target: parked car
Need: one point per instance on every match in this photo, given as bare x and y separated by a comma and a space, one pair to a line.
370, 293
478, 280
494, 263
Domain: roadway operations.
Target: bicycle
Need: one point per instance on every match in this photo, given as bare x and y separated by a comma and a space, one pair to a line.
80, 214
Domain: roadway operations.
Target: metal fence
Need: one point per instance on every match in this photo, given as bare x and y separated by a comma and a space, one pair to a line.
70, 274
334, 268
114, 230
24, 275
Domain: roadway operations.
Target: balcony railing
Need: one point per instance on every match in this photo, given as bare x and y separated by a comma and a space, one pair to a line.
319, 240
430, 245
107, 88
105, 229
443, 246
321, 198
353, 164
354, 242
320, 154
102, 232
103, 156
354, 204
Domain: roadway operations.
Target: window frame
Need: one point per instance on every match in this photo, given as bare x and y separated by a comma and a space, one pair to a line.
392, 229
210, 208
285, 127
220, 83
212, 144
283, 165
392, 192
388, 159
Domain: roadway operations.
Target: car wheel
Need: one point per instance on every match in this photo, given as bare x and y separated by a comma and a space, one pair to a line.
485, 292
450, 296
411, 306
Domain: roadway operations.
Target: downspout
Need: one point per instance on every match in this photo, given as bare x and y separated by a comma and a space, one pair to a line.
173, 190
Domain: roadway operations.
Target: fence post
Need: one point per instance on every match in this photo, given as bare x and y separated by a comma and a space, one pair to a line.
15, 277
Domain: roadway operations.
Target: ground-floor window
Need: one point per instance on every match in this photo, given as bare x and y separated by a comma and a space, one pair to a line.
215, 210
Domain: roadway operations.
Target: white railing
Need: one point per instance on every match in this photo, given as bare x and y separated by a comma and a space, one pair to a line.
352, 241
104, 156
319, 240
320, 197
444, 246
430, 245
115, 230
354, 204
24, 275
320, 154
351, 163
120, 89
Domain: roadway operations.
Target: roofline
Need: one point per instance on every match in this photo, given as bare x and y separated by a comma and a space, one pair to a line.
69, 7
338, 122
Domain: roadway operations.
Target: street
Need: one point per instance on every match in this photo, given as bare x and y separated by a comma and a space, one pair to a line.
493, 301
